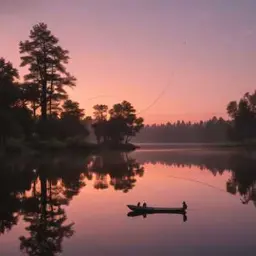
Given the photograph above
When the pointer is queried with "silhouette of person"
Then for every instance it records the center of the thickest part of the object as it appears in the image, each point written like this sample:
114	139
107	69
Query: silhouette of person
184	205
144	204
138	204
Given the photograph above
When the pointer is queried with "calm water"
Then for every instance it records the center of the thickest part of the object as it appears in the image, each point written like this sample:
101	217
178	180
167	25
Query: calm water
76	205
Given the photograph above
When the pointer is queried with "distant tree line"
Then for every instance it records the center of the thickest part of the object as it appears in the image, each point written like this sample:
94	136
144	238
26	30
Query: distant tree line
39	106
240	127
213	130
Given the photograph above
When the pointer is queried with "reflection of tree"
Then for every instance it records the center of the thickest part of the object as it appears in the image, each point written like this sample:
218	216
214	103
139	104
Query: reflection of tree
216	161
115	169
47	231
243	180
58	180
8	212
37	189
14	180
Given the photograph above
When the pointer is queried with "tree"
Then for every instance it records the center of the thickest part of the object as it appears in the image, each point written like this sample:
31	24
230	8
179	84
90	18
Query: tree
46	61
71	110
100	112
9	91
10	95
7	71
121	125
232	109
31	96
71	120
243	116
124	120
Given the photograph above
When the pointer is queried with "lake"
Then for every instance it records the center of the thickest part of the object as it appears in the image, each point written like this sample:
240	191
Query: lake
76	204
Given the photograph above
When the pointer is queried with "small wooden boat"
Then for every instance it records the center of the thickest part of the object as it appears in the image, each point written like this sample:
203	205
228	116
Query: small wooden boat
141	209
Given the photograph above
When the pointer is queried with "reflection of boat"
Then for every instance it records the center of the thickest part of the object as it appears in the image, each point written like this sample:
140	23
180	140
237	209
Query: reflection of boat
145	209
139	213
144	214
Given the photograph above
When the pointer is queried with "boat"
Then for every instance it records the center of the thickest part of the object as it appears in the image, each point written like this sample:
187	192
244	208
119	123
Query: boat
146	209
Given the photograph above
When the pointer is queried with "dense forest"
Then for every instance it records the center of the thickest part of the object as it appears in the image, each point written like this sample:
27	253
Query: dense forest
37	110
214	130
240	127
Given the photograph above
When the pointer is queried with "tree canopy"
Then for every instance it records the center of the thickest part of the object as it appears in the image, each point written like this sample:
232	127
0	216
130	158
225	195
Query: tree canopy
46	61
243	116
118	124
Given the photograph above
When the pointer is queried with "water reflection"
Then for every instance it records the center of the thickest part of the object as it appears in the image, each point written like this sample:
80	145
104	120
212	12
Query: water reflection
144	215
37	190
120	168
241	165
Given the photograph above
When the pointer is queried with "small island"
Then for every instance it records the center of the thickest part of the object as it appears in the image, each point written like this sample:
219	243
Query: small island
36	112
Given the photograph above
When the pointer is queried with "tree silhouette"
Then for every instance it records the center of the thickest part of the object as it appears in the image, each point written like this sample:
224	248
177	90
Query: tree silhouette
9	95
243	115
46	61
121	125
31	96
213	130
100	112
14	115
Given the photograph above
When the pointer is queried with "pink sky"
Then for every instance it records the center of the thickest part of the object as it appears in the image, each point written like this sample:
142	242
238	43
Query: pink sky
201	52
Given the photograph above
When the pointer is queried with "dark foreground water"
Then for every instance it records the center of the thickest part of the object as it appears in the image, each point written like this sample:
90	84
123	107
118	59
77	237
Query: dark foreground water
76	205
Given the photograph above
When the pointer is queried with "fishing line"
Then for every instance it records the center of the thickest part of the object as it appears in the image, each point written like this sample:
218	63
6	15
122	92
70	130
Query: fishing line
156	100
143	110
202	183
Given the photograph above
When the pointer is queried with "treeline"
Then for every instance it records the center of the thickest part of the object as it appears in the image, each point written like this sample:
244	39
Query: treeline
213	130
240	128
39	107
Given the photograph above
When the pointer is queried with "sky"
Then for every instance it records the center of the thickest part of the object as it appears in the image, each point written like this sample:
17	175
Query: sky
172	59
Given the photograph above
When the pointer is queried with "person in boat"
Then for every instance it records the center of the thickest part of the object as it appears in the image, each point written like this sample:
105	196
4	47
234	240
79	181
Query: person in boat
144	204
138	204
184	205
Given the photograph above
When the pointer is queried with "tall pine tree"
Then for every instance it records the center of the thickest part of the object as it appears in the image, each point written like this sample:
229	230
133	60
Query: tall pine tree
46	61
